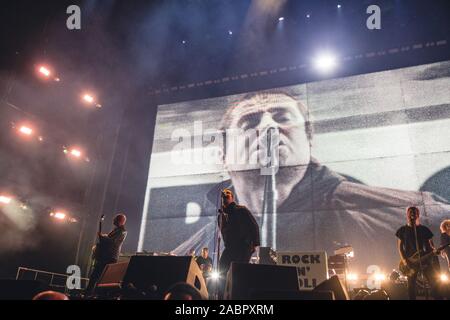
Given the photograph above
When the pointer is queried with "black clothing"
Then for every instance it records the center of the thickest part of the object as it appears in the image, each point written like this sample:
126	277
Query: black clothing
229	255
239	228
110	245
430	274
96	273
407	236
240	233
202	261
445	239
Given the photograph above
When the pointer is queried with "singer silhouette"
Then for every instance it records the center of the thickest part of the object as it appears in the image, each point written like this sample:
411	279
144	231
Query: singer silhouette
240	234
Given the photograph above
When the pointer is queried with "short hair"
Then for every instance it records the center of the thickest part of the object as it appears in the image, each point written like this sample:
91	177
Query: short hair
181	289
228	190
227	118
445	225
205	248
415	209
120	216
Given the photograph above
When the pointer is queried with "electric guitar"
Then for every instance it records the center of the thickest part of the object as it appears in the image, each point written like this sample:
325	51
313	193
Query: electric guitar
97	248
412	265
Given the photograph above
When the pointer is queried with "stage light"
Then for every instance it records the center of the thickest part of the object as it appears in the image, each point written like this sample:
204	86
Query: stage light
352	276
325	63
215	275
308	16
339	6
281	19
45	71
58	215
89	98
443	277
183	42
76	153
5	199
380	277
230	32
62	216
26	130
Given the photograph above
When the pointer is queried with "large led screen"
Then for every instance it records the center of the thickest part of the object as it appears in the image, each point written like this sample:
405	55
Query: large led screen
321	165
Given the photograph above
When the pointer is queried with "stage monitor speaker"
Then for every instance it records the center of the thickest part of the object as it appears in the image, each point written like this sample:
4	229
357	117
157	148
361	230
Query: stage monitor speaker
113	275
396	291
334	284
159	272
245	281
20	289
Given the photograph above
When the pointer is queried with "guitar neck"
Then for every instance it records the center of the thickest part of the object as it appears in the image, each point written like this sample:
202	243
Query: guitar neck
429	254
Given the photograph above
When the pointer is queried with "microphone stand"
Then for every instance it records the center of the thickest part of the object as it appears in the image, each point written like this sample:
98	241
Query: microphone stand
269	211
413	222
217	241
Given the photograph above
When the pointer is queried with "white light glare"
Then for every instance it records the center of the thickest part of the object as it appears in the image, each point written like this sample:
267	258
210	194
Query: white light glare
215	275
352	277
58	215
88	98
325	63
25	130
44	71
75	153
5	200
280	18
380	277
444	277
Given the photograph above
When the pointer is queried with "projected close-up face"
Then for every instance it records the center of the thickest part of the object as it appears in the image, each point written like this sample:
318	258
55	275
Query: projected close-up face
255	116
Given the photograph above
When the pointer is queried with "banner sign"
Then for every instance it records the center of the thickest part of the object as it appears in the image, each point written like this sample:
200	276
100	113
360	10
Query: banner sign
312	267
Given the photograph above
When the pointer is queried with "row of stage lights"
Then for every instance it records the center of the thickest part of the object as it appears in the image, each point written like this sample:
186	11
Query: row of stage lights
28	131
46	73
59	215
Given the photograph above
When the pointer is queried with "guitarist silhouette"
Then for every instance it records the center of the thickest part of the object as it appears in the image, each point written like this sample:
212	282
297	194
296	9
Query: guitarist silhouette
417	253
107	249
